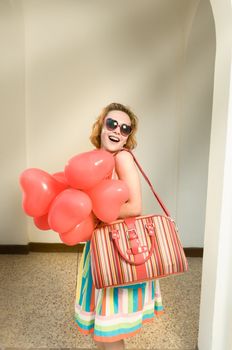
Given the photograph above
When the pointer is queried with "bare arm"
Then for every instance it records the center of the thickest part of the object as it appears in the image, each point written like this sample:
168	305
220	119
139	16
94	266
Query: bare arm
127	172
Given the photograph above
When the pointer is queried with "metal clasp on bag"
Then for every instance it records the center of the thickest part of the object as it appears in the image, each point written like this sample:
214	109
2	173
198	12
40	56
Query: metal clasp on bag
115	234
150	229
174	222
139	250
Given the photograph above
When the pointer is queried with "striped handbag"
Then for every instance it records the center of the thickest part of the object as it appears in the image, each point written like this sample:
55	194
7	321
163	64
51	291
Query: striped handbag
136	249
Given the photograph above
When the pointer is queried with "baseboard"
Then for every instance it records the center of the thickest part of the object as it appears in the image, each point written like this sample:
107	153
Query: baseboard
14	249
60	247
55	248
194	252
40	247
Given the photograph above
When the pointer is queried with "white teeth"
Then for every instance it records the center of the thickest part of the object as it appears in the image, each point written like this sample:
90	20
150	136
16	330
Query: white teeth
114	138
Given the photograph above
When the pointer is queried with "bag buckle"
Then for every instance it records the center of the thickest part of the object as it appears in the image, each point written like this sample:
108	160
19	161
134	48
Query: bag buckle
136	247
132	234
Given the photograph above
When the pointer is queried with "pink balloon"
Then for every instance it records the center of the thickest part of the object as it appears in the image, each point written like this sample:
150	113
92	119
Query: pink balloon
39	189
60	176
80	233
107	198
42	222
68	209
86	170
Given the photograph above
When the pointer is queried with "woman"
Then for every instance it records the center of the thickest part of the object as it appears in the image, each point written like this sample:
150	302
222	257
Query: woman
114	314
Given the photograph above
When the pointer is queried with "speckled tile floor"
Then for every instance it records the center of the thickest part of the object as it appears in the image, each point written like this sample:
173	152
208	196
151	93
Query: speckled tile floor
37	293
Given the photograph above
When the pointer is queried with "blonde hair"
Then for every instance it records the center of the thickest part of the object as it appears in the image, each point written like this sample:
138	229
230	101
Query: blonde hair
95	137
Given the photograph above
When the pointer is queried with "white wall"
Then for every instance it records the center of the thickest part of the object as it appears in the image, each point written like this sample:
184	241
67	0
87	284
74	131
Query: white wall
12	122
82	55
216	303
195	123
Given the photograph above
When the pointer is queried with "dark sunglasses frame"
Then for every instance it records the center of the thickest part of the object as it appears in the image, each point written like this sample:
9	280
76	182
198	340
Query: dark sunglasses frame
112	124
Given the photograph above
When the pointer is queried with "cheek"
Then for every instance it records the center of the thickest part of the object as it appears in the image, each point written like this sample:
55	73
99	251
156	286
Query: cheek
103	136
122	141
125	140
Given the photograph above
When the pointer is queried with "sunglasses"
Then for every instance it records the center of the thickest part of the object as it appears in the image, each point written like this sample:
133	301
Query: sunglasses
112	124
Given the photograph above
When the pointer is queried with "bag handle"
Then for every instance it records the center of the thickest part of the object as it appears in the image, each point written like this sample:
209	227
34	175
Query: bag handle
148	181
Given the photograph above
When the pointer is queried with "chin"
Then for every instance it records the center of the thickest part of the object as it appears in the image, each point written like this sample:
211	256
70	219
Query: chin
113	148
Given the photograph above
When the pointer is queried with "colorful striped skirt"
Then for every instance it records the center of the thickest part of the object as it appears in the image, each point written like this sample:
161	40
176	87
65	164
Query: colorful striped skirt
115	313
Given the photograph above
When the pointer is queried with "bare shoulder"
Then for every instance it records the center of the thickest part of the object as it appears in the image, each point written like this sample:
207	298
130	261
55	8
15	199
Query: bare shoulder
124	156
124	163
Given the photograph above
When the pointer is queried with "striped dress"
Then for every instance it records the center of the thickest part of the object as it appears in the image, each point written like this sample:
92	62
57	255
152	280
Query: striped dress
113	313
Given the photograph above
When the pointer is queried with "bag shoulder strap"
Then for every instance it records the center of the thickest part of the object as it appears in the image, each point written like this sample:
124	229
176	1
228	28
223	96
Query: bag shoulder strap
148	181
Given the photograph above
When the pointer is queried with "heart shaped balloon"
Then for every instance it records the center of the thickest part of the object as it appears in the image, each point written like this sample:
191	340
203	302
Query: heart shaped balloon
86	170
60	176
68	209
39	190
42	222
107	198
80	233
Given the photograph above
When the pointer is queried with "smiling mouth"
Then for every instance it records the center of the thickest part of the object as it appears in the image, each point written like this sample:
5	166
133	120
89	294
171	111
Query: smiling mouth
114	138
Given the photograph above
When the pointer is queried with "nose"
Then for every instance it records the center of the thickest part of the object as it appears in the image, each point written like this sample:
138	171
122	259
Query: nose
117	129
